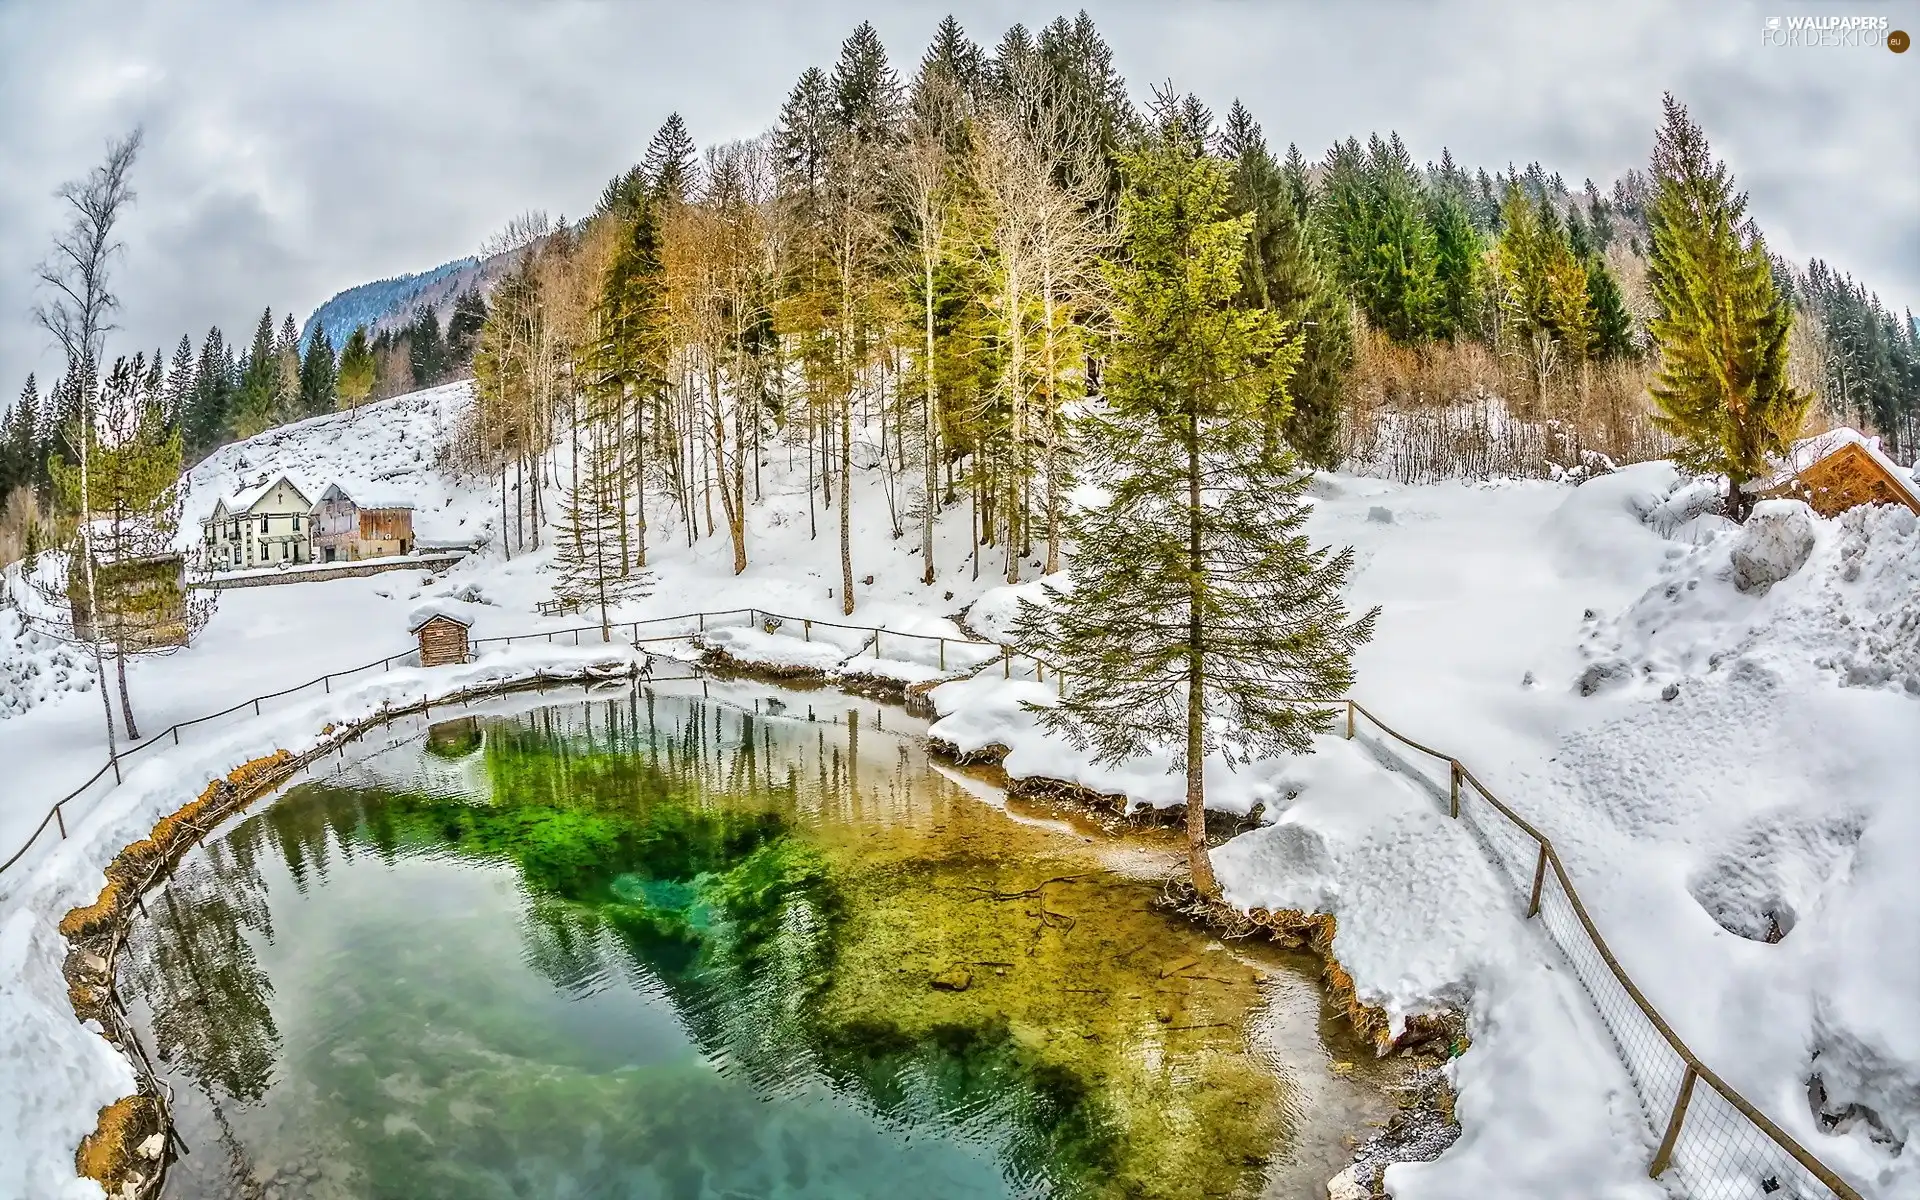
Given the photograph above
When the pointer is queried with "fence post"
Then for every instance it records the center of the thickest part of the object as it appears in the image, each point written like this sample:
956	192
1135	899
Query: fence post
256	707
1664	1155
60	819
1456	790
806	629
943	654
876	643
703	622
1039	671
115	760
1539	877
326	681
176	735
1006	663
753	618
1349	720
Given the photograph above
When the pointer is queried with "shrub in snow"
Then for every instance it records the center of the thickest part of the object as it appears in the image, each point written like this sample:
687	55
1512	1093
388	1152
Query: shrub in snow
1380	514
1775	543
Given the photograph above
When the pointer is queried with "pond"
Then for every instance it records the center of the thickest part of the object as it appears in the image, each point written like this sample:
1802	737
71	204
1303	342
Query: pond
664	944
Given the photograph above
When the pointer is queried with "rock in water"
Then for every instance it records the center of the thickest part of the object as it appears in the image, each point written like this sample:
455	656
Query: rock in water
953	979
1345	1186
1775	543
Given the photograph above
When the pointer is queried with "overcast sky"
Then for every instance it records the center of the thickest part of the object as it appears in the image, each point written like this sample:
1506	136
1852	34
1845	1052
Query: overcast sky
297	149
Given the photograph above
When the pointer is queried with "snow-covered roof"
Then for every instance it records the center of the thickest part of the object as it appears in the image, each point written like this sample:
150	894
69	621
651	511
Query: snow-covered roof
388	501
370	503
248	497
1808	451
430	610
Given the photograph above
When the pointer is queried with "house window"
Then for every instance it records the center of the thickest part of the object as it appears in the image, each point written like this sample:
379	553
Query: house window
263	524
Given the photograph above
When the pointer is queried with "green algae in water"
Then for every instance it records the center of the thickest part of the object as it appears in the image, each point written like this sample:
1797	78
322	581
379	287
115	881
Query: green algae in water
660	947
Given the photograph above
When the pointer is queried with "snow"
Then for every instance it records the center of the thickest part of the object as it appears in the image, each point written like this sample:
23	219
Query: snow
36	667
1359	842
1713	765
1773	545
455	610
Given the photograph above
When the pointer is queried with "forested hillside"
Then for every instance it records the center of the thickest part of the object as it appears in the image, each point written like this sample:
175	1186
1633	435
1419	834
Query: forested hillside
909	272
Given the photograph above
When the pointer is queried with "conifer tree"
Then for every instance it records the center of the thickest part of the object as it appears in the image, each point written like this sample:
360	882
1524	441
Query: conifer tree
1720	323
357	369
957	58
1458	253
179	391
20	467
1282	273
1198	612
464	323
259	382
672	164
427	349
591	558
629	364
319	378
209	415
1613	337
286	351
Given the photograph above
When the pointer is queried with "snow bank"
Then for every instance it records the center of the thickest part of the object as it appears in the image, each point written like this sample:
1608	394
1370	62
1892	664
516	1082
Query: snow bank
987	710
36	668
54	1073
774	652
1423	923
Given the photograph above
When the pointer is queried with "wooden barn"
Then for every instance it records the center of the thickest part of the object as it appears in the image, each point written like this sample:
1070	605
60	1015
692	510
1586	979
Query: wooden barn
442	635
1842	469
348	530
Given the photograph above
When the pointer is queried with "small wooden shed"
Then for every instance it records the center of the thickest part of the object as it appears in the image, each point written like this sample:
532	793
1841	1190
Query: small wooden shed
1842	469
442	635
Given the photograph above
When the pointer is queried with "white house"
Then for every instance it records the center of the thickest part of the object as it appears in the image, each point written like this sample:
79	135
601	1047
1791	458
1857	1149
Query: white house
264	526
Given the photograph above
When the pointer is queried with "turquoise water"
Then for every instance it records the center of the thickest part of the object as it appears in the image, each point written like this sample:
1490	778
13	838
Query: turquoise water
658	947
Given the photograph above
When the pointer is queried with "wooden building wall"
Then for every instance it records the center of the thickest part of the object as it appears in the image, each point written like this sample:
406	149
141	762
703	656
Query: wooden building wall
442	643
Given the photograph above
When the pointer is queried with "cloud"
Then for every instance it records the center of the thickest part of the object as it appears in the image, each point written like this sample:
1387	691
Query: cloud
297	150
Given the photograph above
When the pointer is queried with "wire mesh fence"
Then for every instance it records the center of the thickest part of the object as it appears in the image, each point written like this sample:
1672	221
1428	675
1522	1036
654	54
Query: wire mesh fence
1713	1144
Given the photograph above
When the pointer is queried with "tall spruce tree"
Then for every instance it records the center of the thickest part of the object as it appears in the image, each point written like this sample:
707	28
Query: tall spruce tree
357	370
591	559
672	164
464	323
287	400
1199	615
209	414
1282	273
319	377
21	466
426	348
179	393
1721	324
259	382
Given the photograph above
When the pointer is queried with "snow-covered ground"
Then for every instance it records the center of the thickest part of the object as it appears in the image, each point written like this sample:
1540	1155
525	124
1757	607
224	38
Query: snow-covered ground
1708	760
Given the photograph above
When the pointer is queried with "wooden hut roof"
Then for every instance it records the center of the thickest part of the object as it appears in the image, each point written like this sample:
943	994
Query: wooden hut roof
435	612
